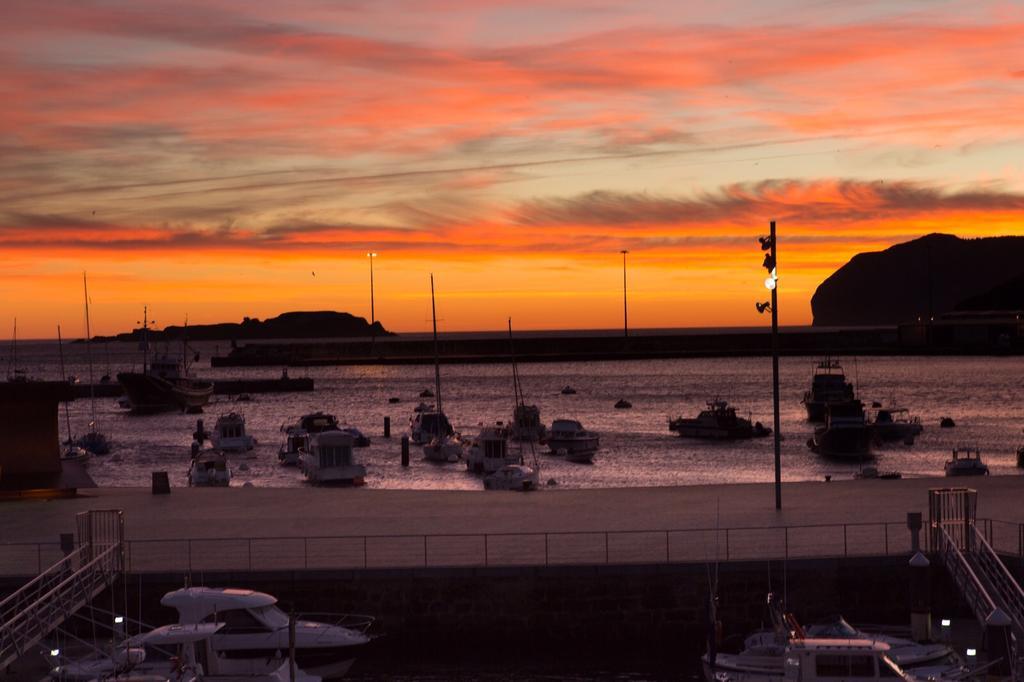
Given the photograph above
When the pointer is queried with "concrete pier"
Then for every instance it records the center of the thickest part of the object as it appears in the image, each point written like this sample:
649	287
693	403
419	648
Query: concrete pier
873	513
573	570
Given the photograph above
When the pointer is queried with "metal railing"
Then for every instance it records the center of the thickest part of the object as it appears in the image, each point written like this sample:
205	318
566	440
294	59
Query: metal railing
47	601
692	545
696	545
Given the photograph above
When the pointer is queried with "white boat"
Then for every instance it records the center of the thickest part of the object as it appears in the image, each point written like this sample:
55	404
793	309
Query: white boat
825	660
229	434
296	441
568	437
513	477
488	451
764	652
444	449
717	422
966	462
208	468
330	459
147	657
255	633
893	424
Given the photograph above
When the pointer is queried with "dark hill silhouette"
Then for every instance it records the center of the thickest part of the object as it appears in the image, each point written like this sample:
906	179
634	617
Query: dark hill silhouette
294	325
926	276
1006	296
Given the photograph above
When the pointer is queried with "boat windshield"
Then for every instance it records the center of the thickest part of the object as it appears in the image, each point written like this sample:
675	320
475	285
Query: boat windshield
272	616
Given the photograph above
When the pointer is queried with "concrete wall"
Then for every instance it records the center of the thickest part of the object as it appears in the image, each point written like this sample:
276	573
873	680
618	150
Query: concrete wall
29	428
652	610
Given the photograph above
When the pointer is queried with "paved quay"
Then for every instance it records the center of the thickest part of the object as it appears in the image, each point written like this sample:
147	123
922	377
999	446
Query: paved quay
314	528
299	512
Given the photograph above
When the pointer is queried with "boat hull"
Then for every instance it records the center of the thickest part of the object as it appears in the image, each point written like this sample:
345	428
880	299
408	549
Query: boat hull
149	394
852	444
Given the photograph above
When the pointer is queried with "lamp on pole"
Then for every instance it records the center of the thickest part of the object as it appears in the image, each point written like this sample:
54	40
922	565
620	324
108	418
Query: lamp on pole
772	284
625	310
373	318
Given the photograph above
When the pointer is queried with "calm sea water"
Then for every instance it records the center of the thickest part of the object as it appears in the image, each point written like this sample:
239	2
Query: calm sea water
983	395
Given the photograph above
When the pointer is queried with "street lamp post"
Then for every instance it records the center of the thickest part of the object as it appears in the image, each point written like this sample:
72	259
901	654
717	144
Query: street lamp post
373	318
772	283
625	310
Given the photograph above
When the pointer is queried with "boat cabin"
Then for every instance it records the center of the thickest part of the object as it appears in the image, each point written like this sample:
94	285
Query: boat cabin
809	660
165	367
317	422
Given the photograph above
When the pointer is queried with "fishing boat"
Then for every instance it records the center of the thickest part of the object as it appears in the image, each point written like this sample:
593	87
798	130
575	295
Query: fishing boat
966	462
828	385
165	383
329	459
845	434
568	437
894	424
208	468
717	422
229	434
488	451
441	443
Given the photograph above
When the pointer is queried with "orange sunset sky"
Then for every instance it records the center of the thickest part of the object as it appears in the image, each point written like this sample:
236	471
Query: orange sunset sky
207	158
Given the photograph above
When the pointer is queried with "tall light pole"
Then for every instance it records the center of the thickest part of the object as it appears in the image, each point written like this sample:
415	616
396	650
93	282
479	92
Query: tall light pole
371	255
625	310
373	318
772	284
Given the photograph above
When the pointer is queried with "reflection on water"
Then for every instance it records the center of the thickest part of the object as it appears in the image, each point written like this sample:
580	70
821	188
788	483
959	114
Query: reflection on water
982	394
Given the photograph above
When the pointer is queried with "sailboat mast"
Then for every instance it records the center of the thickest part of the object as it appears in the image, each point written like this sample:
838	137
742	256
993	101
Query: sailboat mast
60	349
88	353
437	359
515	371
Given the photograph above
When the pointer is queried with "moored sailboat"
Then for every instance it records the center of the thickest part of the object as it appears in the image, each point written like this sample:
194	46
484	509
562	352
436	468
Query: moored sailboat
444	444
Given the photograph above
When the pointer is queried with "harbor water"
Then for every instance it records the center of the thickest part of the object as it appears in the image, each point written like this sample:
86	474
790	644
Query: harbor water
983	395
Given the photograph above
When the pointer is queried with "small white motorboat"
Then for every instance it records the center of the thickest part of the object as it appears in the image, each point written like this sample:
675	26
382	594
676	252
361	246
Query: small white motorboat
77	454
568	437
966	462
513	477
229	434
208	468
894	424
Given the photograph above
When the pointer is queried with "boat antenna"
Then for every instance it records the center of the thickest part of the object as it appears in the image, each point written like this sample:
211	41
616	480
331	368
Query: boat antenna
88	354
437	361
60	349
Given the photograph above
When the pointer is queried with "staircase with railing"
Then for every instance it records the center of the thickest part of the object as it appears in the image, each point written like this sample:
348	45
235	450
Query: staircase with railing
52	597
988	587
